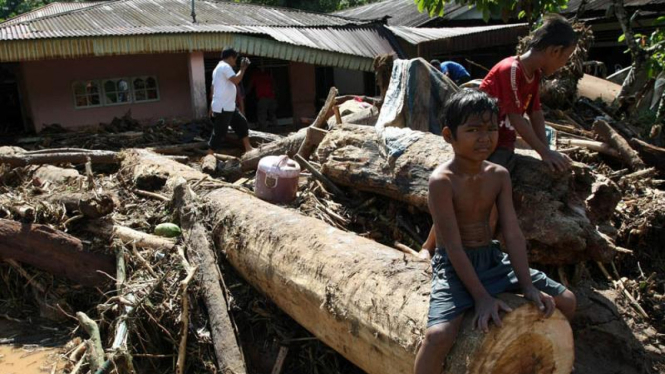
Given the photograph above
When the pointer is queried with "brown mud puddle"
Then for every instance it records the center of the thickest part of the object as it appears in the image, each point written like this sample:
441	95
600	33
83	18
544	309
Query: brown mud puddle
28	348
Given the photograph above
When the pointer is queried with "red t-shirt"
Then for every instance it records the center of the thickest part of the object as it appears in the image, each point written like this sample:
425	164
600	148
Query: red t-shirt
263	83
515	92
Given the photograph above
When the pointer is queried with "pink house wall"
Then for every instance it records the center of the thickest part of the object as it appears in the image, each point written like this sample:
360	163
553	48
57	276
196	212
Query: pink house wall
49	88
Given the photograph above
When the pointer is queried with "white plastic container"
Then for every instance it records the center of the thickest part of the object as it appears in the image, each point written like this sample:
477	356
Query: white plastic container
277	179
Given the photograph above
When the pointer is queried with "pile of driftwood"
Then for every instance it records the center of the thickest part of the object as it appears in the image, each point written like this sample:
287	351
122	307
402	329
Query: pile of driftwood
337	266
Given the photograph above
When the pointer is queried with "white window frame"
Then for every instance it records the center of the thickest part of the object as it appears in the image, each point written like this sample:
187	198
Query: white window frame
145	78
100	92
101	83
130	92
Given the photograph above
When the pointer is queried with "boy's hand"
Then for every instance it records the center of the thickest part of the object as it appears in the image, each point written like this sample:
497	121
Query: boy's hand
556	161
424	254
543	301
487	308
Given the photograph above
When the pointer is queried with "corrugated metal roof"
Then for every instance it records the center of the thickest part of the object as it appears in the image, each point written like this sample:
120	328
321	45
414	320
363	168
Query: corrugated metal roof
48	10
415	35
149	13
156	17
402	12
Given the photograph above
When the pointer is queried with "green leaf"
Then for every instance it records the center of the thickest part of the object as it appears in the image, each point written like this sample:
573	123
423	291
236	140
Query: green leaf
659	20
521	14
622	38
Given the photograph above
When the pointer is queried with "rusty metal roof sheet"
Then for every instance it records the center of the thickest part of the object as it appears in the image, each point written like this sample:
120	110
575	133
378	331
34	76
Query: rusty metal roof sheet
415	35
402	12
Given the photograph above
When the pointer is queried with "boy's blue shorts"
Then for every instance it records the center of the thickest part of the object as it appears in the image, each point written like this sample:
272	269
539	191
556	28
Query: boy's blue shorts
449	297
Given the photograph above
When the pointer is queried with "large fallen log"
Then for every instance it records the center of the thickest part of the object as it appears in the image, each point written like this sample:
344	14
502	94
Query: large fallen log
368	301
550	206
53	251
230	357
365	300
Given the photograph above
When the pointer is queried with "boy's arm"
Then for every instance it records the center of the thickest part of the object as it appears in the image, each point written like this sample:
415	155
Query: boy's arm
445	223
538	124
516	246
553	159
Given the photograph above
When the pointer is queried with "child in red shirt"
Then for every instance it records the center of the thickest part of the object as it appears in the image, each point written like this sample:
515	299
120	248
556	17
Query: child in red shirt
515	81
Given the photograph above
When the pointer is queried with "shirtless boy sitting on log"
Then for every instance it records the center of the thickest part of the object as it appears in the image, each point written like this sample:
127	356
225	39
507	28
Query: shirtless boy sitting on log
468	268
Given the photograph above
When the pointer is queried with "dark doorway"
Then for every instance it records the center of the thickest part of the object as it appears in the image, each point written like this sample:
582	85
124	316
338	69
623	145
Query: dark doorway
11	121
325	78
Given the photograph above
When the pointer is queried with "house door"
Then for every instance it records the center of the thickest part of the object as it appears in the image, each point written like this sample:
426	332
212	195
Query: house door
11	121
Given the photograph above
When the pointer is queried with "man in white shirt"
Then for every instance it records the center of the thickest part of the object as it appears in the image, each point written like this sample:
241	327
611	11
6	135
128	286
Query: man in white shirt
223	106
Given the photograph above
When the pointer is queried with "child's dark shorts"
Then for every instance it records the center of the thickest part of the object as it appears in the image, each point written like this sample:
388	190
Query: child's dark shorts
449	297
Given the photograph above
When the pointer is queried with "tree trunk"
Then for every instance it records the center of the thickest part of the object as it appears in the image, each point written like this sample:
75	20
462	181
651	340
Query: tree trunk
550	206
53	251
230	357
628	154
368	301
365	300
97	157
91	205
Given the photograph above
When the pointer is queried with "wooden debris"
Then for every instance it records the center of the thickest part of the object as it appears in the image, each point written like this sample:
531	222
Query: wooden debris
312	140
200	252
95	350
97	157
592	145
287	146
570	129
53	251
652	155
128	235
209	164
89	204
629	155
317	174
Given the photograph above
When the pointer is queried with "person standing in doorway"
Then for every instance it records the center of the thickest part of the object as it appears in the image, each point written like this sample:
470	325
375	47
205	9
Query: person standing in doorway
266	107
223	106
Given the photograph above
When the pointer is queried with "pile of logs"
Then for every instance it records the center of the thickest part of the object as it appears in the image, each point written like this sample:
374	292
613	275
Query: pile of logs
366	300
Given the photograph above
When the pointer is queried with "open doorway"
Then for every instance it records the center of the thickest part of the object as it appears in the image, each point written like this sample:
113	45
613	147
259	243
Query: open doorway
11	121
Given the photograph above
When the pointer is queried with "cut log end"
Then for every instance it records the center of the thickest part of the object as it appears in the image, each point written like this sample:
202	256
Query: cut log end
527	343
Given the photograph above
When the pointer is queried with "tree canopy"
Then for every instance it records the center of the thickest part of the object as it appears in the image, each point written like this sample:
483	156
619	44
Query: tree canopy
529	9
12	8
